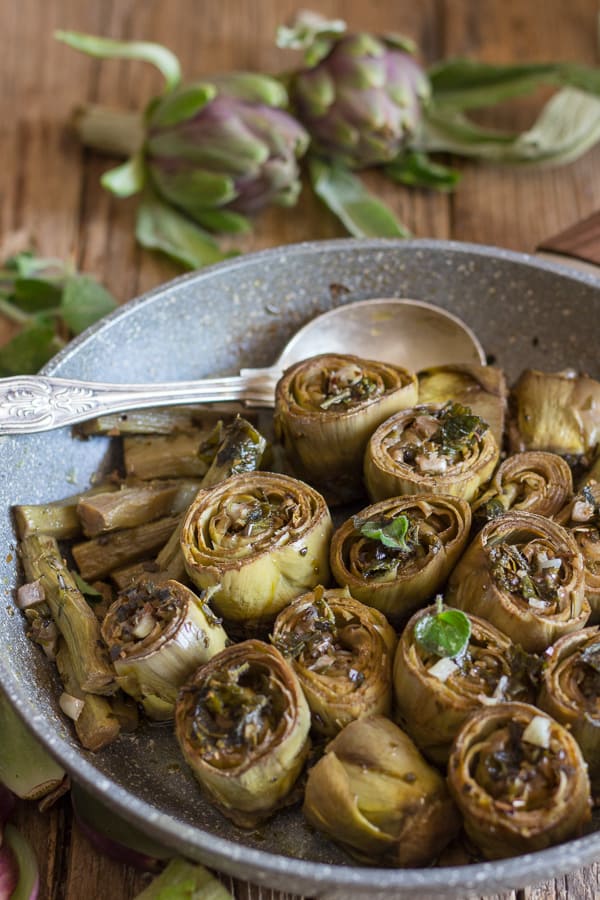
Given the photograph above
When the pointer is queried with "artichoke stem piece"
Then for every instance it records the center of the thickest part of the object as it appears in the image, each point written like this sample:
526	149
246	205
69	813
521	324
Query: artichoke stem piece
373	793
97	557
242	723
519	779
96	726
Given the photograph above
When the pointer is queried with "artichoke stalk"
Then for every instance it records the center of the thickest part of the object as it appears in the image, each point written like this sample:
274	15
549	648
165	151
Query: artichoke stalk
242	723
373	793
342	652
156	637
519	780
524	574
256	541
399	577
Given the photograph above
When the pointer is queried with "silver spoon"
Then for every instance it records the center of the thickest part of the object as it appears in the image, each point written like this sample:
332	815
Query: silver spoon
406	332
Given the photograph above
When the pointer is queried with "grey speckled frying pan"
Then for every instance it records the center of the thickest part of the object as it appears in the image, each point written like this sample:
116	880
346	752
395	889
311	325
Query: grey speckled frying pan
240	313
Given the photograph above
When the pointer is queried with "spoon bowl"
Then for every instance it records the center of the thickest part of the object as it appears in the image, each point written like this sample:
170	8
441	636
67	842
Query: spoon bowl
406	332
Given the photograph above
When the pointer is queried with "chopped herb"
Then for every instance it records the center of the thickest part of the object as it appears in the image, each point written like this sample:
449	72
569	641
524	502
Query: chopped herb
445	633
86	588
391	533
525	575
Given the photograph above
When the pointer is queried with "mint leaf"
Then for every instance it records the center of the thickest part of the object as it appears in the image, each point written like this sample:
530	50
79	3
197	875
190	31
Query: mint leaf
445	633
391	534
33	294
29	350
84	301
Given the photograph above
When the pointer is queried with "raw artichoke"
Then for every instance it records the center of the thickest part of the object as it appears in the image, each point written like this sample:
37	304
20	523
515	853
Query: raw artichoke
519	779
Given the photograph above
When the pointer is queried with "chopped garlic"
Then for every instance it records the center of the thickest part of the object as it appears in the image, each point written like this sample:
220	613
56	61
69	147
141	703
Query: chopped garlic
582	511
443	668
144	627
538	732
537	604
71	706
431	464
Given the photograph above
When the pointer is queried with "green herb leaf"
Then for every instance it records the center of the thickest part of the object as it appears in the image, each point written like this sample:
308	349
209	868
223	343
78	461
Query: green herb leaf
391	534
445	633
159	227
347	198
84	587
127	179
106	48
417	170
30	349
33	294
84	301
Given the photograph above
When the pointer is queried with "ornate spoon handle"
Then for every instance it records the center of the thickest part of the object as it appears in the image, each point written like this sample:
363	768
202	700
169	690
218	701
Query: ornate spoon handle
30	403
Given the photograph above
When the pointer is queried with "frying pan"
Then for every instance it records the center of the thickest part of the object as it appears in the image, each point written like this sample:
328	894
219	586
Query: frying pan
526	312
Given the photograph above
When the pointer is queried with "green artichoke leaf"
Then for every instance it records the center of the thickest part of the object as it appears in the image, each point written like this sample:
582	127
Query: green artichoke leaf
159	227
400	41
106	48
345	195
127	179
84	301
416	169
468	84
311	32
252	86
223	221
182	104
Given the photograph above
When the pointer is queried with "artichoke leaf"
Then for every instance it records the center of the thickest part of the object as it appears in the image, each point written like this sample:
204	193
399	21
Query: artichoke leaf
127	179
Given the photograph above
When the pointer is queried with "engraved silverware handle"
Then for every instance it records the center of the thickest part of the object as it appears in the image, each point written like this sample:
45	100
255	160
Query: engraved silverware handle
30	403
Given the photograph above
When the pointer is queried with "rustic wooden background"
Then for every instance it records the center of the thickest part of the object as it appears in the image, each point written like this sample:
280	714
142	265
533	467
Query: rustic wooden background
50	192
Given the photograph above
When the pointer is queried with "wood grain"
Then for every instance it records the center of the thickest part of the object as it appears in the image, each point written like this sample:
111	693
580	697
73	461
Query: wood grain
49	191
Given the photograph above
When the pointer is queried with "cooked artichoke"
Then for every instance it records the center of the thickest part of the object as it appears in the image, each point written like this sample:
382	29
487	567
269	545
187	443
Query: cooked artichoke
525	575
571	692
519	779
256	541
535	481
557	411
342	652
481	388
327	407
242	723
582	517
436	693
430	449
374	793
397	554
157	636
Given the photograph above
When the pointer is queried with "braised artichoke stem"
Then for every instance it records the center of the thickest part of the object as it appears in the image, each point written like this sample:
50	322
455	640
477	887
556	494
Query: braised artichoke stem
75	620
519	780
342	652
97	557
373	793
58	519
134	505
481	388
96	725
242	723
128	576
160	420
157	635
165	456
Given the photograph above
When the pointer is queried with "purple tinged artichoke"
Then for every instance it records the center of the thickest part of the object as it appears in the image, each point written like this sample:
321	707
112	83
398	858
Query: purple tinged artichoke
360	97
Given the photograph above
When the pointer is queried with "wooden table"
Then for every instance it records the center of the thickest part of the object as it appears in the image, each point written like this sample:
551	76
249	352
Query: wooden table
49	189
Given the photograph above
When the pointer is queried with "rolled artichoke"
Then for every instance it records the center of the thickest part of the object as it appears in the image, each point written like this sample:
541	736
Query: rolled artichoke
373	793
535	481
256	541
571	692
582	517
519	779
525	575
327	407
436	692
342	652
559	412
481	388
156	637
397	554
242	723
430	449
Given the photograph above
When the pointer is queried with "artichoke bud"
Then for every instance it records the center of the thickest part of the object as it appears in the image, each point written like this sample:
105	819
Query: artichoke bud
225	145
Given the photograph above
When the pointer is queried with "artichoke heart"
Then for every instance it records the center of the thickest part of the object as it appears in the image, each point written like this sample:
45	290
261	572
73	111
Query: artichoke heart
519	779
558	411
327	407
582	518
256	541
535	481
156	637
430	449
433	704
242	723
571	692
373	793
342	652
399	575
525	575
481	388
